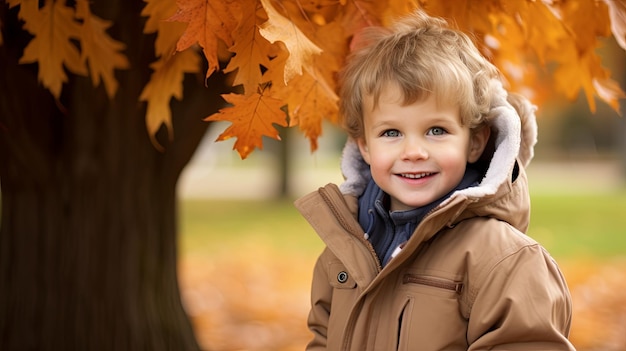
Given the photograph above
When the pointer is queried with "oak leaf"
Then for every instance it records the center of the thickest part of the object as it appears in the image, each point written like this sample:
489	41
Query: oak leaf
287	54
301	49
98	49
166	83
54	28
28	12
168	32
251	49
208	21
310	101
252	116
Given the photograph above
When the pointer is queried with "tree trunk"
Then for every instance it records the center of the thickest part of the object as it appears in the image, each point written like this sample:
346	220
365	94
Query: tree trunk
88	231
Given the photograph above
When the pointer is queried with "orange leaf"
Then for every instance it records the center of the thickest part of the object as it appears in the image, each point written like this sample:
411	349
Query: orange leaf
310	100
29	12
99	49
209	20
53	27
166	82
252	117
250	48
332	40
168	33
275	72
301	49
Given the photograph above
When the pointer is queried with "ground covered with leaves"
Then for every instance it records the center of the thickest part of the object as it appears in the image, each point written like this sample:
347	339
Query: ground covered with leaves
256	298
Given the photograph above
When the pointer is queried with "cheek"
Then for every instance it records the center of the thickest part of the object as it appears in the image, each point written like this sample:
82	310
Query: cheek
454	159
380	162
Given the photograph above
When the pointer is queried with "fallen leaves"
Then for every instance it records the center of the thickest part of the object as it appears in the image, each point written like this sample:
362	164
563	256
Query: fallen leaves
257	298
247	299
599	304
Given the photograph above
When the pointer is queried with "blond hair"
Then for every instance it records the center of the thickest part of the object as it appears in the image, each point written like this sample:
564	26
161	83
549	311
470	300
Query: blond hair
423	56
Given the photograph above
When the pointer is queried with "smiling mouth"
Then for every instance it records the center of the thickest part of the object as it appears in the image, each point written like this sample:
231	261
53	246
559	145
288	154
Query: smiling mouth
415	175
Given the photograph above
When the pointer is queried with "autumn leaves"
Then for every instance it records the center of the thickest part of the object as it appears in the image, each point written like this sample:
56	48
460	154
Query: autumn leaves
284	55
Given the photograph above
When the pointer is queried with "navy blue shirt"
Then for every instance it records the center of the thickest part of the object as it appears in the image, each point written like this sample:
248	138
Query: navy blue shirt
387	230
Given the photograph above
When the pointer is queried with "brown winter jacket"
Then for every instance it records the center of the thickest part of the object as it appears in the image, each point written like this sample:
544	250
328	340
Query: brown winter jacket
467	279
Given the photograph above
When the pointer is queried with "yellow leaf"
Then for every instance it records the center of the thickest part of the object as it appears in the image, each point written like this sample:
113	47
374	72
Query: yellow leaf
208	21
168	32
332	39
99	49
301	49
166	82
467	15
310	100
52	47
275	72
586	21
252	116
250	48
29	12
157	11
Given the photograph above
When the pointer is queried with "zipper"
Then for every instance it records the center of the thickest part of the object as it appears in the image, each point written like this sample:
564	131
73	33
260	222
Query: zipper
433	282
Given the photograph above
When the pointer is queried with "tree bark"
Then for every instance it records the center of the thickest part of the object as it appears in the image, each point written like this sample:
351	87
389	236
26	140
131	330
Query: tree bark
88	244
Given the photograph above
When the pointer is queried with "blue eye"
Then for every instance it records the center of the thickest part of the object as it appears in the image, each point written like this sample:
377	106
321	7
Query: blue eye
436	131
391	133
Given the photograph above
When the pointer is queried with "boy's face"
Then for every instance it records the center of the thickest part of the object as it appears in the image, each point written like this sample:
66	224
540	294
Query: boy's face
417	153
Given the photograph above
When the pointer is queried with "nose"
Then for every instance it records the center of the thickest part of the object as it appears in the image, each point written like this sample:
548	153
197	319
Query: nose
414	150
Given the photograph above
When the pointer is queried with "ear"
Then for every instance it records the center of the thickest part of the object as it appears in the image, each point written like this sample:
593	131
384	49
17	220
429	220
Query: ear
365	153
478	140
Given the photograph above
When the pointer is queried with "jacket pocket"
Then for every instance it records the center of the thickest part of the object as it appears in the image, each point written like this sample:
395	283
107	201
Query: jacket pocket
430	318
433	282
404	325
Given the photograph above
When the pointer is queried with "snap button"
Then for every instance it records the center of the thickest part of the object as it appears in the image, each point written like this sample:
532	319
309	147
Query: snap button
342	277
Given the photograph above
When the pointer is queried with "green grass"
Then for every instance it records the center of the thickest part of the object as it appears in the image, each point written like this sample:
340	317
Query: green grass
572	226
209	226
569	226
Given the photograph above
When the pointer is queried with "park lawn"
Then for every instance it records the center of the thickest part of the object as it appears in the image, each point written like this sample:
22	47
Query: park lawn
568	225
212	226
580	225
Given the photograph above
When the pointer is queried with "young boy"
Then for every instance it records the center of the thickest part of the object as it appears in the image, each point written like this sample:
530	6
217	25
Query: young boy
425	244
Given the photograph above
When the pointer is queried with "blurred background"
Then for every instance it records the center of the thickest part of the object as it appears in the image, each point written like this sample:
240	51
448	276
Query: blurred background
246	255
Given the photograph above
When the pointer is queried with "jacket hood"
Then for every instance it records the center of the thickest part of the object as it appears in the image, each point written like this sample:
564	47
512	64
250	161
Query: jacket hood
514	135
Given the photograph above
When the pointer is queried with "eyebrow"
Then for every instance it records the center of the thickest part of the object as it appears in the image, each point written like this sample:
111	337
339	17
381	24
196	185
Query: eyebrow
383	123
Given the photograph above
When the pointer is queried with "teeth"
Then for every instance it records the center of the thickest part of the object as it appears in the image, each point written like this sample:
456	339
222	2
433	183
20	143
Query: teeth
415	176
